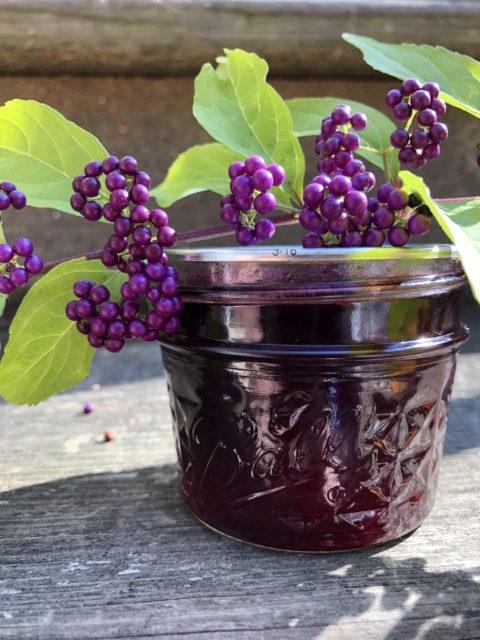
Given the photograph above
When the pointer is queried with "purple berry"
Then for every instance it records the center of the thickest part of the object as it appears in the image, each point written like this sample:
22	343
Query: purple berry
353	167
81	288
439	107
139	194
398	236
19	276
383	191
85	308
108	311
419	224
118	329
242	186
165	307
77	201
383	218
90	187
311	221
7	187
431	151
93	168
4	201
139	214
262	180
420	138
158	218
359	121
397	200
108	257
313	194
350	142
254	163
409	86
122	226
312	241
155	271
109	213
71	311
323	179
128	165
339	225
134	266
110	164
138	284
95	341
34	264
278	174
373	237
244	204
244	236
331	208
18	199
153	252
167	236
407	155
373	205
402	111
6	253
144	179
426	118
228	199
361	181
236	169
6	285
361	219
331	146
420	100
117	244
433	88
98	327
115	180
137	329
141	235
352	238
356	202
114	346
169	287
23	247
77	183
393	97
264	229
83	327
92	211
119	199
129	310
399	138
230	214
265	203
99	294
439	132
172	325
340	185
341	115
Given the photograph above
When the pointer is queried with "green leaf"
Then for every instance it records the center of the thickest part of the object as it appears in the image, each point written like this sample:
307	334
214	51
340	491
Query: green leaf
461	223
307	115
45	353
200	168
41	151
458	75
239	109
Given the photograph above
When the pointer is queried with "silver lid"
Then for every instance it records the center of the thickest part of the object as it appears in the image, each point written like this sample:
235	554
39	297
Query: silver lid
254	274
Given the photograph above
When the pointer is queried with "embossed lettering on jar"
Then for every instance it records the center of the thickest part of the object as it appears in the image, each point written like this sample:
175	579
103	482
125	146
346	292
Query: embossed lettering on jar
309	391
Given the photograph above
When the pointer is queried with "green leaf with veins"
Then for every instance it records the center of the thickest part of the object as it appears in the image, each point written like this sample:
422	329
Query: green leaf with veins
458	75
238	108
41	151
200	168
459	220
307	115
45	353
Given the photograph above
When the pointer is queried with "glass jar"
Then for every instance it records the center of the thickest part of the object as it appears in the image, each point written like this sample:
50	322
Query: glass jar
309	390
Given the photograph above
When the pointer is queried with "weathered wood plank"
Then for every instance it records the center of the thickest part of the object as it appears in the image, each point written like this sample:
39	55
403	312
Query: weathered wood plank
176	36
95	542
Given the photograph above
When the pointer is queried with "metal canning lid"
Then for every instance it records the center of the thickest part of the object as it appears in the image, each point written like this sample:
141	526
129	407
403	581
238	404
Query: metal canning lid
253	274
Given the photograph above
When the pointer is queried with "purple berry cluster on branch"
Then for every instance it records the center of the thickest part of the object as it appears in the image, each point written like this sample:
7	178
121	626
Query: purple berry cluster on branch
17	261
149	301
420	108
250	184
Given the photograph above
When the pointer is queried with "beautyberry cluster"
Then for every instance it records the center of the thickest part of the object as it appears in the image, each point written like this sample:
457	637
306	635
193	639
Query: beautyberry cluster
250	184
335	207
421	109
149	298
17	262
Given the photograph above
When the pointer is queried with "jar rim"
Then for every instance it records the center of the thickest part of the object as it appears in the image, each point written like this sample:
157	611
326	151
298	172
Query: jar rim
291	253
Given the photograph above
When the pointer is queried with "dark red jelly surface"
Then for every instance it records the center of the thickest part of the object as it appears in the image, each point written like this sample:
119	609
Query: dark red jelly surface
296	455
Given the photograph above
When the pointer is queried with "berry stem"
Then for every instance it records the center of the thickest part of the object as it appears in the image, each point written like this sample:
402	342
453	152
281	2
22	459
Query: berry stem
182	238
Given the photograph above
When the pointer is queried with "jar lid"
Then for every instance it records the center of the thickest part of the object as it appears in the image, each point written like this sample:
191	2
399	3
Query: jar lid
261	274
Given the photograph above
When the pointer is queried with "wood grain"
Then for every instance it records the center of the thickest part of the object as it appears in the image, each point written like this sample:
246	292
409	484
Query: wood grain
95	542
177	36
